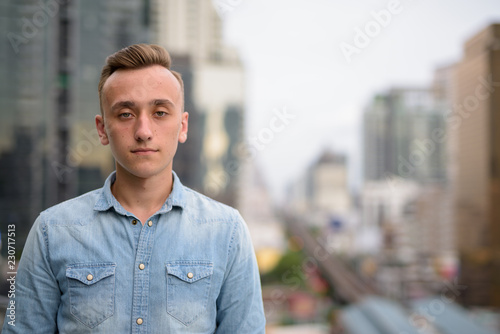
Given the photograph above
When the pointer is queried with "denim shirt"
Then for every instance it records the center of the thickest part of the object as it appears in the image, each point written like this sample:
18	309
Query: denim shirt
89	266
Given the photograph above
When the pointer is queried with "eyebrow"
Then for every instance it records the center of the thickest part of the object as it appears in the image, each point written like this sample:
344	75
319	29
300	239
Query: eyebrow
130	104
122	104
162	102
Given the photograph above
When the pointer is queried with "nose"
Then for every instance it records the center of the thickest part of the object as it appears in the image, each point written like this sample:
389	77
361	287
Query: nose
143	131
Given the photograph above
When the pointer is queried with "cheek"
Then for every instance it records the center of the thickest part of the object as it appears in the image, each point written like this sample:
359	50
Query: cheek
118	132
117	138
172	132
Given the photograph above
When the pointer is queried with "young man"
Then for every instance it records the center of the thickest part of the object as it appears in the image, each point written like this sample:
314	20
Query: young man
143	254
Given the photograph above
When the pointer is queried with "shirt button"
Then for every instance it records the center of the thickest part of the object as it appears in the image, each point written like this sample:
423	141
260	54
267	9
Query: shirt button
190	275
90	277
150	223
134	222
142	266
139	321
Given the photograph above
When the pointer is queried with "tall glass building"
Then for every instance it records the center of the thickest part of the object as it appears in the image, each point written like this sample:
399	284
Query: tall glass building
51	54
398	136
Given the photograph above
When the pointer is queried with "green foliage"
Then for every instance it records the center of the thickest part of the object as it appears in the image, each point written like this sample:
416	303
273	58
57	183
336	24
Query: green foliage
289	264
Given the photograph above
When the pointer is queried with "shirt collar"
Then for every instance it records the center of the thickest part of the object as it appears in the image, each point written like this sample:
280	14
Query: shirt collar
107	200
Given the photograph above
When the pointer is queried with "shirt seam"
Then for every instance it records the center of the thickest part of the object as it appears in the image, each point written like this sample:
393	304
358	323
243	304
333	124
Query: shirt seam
45	227
230	261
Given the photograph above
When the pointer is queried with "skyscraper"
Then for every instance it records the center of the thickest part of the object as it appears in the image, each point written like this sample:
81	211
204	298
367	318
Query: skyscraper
27	102
476	119
102	28
327	184
188	159
398	140
406	191
50	60
193	28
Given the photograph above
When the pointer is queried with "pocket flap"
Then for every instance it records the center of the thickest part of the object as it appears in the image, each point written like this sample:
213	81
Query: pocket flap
190	271
90	273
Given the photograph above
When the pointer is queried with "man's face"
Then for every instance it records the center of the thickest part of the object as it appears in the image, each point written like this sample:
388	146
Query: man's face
142	120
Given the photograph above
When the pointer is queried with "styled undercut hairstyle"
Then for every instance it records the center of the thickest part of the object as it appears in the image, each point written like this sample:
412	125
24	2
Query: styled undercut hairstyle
134	57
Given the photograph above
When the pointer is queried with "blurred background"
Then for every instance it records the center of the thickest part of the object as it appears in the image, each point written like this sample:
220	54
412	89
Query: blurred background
358	139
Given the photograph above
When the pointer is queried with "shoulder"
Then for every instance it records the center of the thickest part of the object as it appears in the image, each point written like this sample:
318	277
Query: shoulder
72	211
206	209
216	216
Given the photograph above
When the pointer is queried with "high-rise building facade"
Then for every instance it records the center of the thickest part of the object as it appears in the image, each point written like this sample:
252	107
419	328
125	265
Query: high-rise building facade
322	193
26	103
327	187
188	162
435	205
193	28
476	119
103	27
51	55
407	193
398	137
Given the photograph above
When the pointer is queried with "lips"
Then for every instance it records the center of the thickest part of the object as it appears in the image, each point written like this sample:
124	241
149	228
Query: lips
142	151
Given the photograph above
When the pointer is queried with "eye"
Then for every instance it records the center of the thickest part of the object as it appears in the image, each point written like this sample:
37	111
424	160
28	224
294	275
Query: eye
125	115
161	113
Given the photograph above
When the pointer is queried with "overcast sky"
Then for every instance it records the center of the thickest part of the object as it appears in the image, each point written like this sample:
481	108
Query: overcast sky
293	59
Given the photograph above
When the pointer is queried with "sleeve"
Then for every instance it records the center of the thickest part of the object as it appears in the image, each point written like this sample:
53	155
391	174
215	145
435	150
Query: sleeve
239	305
35	301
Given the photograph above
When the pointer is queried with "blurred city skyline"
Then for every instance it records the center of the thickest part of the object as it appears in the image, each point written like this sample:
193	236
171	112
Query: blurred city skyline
293	59
340	131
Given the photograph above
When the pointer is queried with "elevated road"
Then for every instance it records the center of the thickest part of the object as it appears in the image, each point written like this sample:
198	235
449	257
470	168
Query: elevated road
349	287
370	313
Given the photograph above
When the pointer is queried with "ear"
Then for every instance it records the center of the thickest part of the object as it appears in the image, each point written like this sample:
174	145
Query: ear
101	130
184	127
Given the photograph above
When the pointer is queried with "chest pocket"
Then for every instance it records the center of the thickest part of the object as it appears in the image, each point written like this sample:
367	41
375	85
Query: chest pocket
91	292
188	287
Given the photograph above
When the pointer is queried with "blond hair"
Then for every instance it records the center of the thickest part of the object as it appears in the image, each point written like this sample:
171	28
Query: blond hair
134	57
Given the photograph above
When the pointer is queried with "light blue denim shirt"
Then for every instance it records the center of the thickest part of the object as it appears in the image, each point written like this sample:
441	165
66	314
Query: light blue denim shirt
89	266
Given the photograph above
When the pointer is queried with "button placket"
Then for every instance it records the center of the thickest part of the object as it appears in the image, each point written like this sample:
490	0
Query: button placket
142	273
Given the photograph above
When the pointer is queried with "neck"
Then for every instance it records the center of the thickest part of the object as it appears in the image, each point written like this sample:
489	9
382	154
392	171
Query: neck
141	196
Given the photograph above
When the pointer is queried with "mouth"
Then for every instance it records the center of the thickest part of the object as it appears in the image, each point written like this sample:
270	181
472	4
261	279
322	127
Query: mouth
144	151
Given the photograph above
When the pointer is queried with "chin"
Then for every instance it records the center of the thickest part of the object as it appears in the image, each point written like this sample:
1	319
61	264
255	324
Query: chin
145	173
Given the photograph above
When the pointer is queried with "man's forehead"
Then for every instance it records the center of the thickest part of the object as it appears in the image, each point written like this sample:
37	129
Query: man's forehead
147	77
142	80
